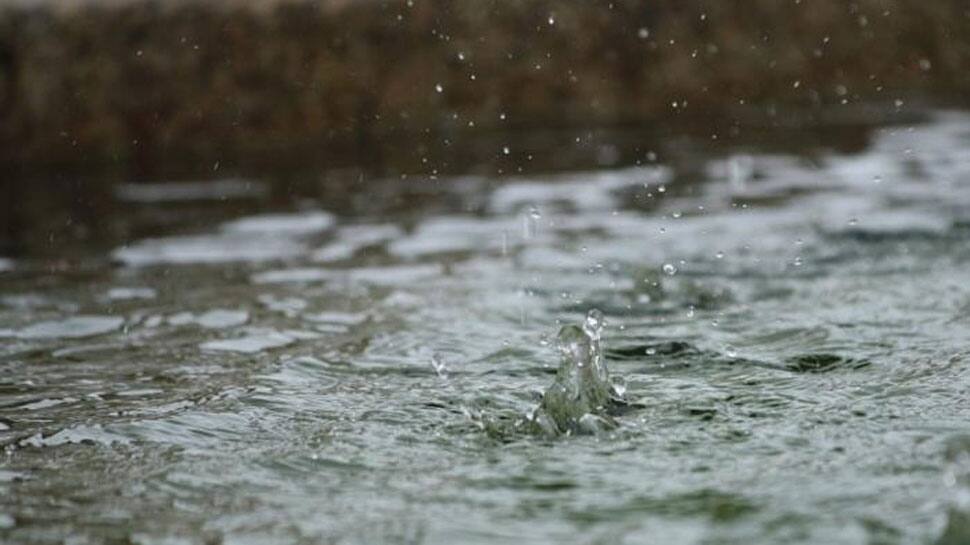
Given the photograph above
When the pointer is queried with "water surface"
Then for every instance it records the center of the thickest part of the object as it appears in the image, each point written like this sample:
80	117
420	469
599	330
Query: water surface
792	323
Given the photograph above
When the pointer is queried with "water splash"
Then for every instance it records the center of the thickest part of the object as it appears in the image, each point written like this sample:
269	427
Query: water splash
582	395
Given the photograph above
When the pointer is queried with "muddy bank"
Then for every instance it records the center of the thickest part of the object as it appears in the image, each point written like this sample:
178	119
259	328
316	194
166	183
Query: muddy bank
140	84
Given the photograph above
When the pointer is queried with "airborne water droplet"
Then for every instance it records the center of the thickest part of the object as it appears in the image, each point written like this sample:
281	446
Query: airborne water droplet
439	366
619	386
593	326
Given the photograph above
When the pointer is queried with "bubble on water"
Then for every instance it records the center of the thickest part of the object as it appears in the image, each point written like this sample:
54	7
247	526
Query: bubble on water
461	56
650	351
669	269
731	351
439	366
719	255
551	20
439	88
506	150
643	33
690	311
853	221
877	179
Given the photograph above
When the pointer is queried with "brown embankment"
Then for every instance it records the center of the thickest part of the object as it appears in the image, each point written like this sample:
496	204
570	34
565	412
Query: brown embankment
138	82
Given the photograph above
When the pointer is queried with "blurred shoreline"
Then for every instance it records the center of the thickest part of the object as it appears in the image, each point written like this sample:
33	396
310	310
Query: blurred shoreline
140	85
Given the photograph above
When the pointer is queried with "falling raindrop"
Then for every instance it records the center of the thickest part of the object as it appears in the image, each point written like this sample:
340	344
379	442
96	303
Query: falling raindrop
439	366
531	222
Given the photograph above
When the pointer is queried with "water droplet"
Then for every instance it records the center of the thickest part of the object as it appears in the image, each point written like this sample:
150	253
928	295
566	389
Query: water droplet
877	179
690	312
719	255
643	33
669	269
651	351
731	351
461	56
593	326
531	223
439	366
619	386
506	150
551	20
853	221
439	88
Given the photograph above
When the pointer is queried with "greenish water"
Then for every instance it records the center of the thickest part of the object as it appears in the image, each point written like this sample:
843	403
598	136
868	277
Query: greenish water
790	328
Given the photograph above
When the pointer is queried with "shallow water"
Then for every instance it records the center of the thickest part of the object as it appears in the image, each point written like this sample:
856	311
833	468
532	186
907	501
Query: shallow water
791	327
